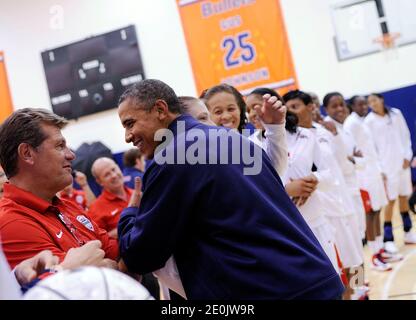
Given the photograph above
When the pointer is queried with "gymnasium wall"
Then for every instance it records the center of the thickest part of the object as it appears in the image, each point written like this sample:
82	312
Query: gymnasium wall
405	100
29	27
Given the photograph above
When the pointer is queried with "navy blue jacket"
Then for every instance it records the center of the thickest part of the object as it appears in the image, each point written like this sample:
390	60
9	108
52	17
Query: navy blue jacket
233	236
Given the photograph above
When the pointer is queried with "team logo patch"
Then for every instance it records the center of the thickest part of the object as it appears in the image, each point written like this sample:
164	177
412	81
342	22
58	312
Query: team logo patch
87	223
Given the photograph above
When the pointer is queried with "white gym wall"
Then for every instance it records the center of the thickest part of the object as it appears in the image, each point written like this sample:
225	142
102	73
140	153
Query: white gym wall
29	27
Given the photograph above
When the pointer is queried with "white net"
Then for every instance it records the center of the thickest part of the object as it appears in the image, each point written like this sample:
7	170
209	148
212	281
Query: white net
388	44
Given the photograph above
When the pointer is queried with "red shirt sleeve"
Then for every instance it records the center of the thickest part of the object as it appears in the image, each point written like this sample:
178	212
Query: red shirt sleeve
23	239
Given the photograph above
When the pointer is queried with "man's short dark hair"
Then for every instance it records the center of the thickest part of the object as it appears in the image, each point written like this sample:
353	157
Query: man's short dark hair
24	126
263	91
297	94
148	91
184	100
130	156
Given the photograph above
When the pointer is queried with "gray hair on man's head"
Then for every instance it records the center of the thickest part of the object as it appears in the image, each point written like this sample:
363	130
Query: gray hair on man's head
146	92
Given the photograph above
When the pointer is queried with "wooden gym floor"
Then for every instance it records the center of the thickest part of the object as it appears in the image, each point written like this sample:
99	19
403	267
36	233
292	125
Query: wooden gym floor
400	283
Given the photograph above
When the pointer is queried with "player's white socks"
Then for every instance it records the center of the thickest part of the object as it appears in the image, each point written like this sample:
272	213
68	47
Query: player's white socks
374	247
380	243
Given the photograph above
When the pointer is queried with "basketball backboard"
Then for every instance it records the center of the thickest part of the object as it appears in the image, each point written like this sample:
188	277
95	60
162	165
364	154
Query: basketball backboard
358	23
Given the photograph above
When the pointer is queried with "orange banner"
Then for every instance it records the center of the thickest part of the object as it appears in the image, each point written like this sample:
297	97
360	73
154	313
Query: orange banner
6	107
239	42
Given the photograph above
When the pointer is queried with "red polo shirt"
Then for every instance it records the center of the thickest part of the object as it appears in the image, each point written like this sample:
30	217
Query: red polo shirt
77	196
106	210
29	225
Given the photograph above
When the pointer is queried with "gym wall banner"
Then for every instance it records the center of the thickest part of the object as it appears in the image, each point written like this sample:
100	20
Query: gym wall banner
6	107
239	42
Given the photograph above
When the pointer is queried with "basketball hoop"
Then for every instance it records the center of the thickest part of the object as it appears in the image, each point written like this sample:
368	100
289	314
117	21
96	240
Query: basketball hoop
388	44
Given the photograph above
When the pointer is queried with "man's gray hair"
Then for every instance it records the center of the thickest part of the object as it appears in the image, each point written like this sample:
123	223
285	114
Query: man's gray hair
146	92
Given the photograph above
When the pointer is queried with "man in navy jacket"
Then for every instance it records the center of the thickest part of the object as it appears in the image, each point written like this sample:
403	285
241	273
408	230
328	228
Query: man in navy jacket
233	235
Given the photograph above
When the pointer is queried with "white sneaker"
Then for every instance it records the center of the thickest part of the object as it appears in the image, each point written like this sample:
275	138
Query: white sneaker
410	238
378	263
390	247
360	293
390	257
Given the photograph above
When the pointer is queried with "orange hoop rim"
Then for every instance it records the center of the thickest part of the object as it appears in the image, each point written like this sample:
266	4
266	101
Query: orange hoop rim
388	40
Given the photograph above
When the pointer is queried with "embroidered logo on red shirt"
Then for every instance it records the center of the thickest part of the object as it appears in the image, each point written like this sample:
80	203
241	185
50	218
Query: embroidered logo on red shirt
84	220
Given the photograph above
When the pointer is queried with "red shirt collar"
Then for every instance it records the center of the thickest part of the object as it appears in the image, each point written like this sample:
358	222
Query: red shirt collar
111	196
28	199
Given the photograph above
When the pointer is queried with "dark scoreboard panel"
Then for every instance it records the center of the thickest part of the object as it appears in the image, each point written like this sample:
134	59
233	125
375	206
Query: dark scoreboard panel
89	76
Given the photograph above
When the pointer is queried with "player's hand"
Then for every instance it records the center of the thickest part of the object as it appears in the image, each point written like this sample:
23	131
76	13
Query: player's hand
272	111
299	201
351	158
30	269
80	178
108	263
137	193
357	153
90	254
330	126
302	187
406	164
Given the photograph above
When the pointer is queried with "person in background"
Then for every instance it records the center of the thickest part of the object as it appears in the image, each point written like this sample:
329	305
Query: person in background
316	112
370	181
105	211
196	108
226	106
349	157
306	176
84	197
338	203
228	109
271	132
134	166
412	199
394	153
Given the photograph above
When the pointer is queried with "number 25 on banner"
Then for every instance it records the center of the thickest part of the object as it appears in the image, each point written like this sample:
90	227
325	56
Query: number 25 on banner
238	50
244	44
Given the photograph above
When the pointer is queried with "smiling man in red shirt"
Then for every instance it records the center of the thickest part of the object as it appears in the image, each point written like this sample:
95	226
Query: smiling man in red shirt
37	162
106	210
